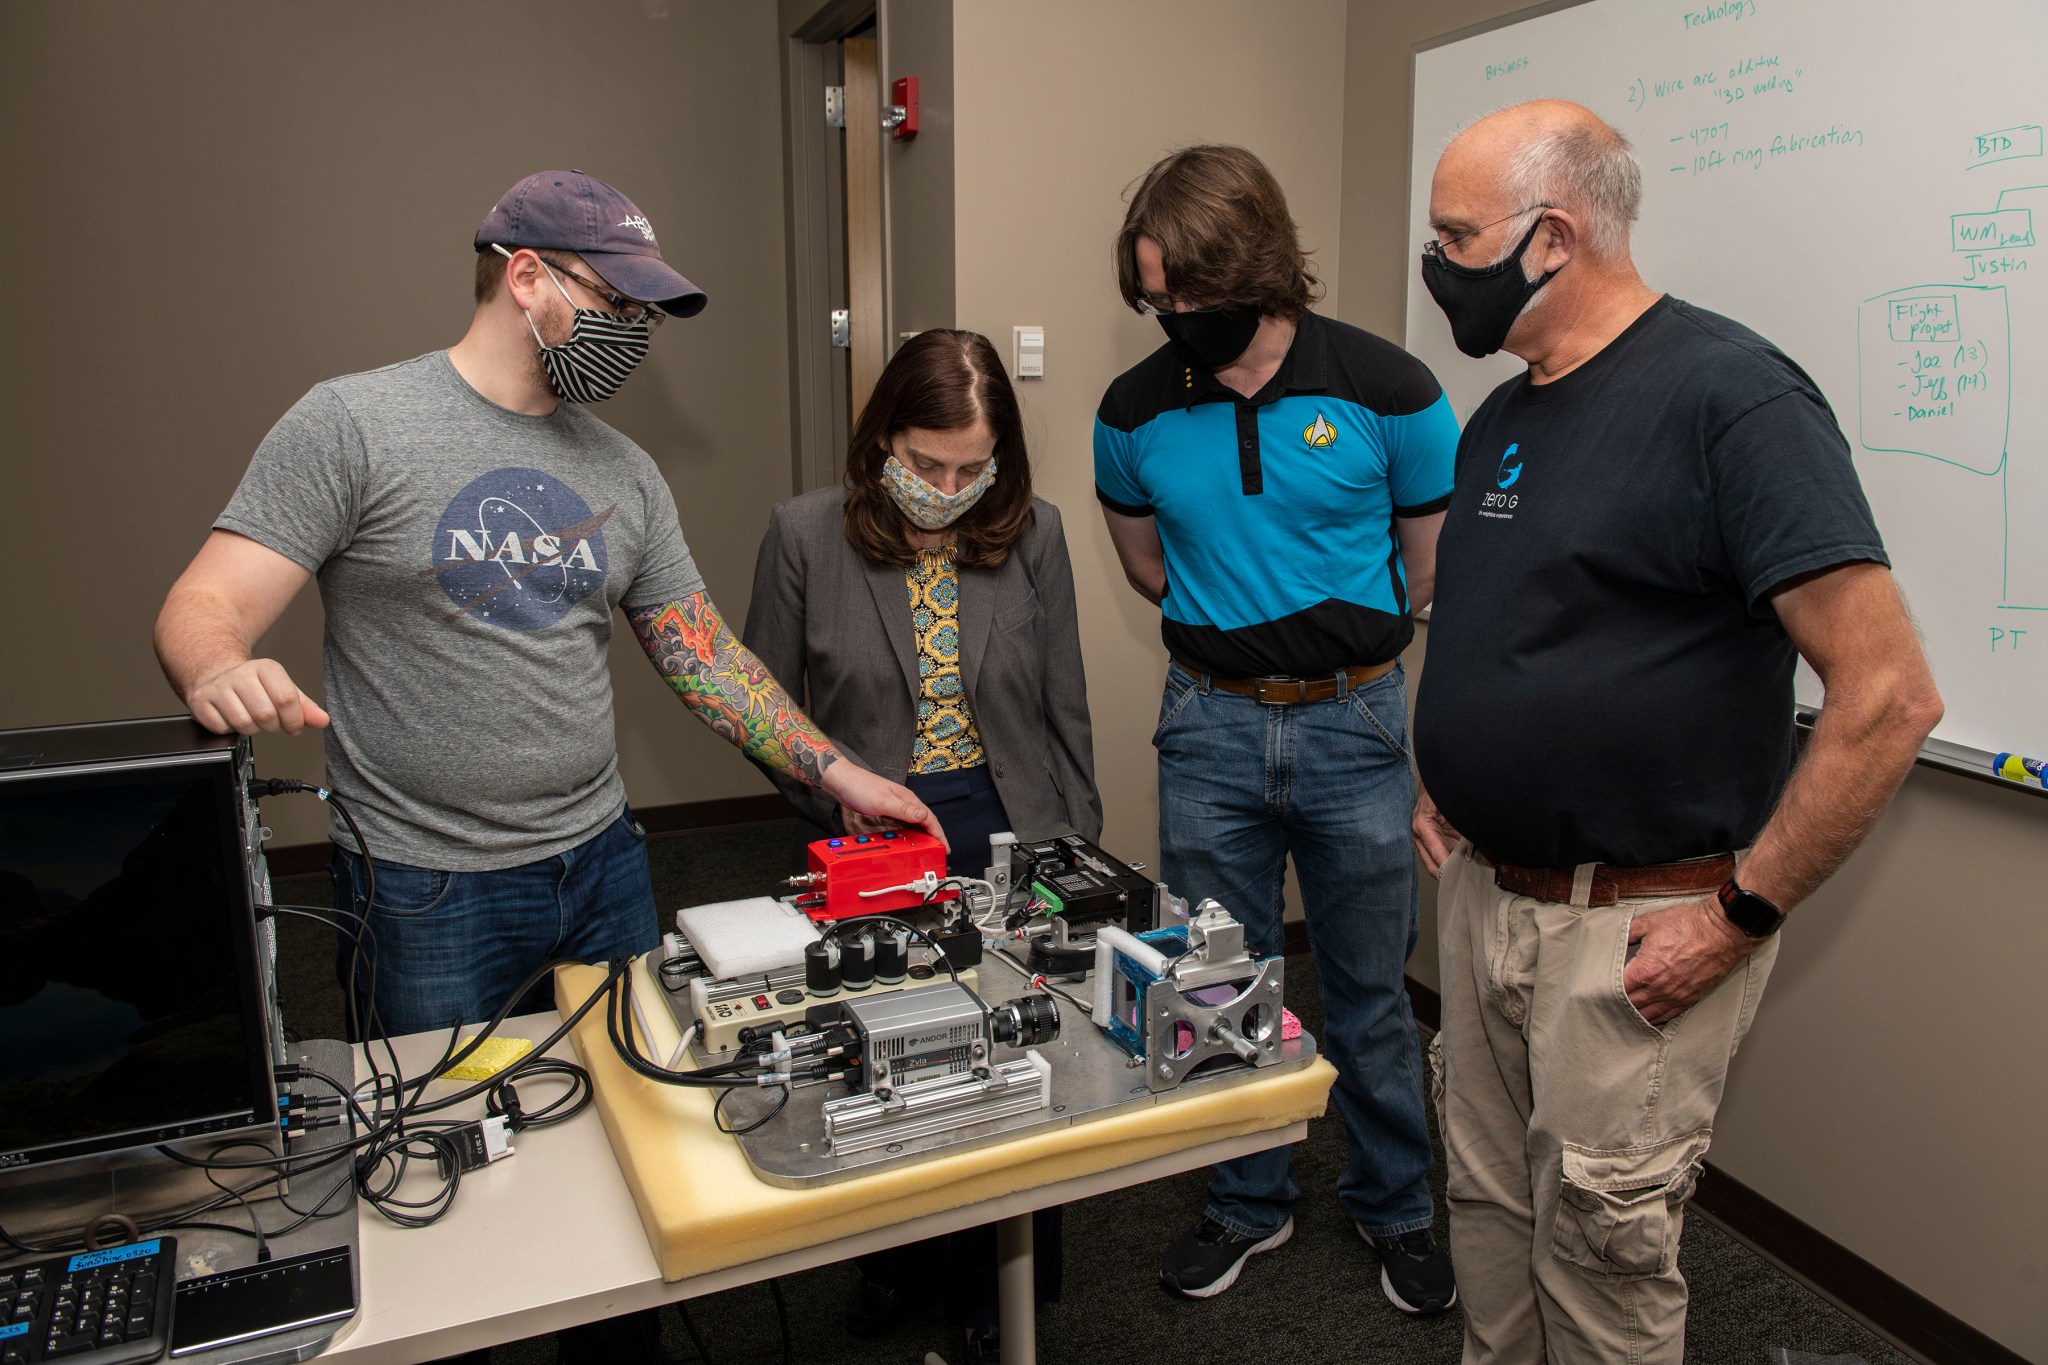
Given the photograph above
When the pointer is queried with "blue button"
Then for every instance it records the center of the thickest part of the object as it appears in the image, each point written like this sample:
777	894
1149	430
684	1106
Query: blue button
860	838
834	843
19	1329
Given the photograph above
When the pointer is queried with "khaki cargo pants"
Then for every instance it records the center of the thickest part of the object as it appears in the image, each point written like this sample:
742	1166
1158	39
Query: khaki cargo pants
1573	1129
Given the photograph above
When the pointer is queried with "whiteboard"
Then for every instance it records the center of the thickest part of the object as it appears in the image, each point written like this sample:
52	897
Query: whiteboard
1864	183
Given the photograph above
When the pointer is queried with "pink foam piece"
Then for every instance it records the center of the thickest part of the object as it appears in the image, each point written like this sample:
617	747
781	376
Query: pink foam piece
1290	1027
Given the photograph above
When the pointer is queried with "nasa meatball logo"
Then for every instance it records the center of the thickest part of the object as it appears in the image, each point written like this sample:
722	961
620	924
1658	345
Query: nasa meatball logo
518	548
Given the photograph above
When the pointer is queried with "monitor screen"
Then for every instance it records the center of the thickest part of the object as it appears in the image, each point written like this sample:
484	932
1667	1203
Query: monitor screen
129	1012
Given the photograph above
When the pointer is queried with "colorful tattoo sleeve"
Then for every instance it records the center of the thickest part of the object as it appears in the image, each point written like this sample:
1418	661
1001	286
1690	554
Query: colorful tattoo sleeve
730	690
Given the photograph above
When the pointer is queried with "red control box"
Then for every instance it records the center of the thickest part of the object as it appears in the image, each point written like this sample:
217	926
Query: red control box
844	867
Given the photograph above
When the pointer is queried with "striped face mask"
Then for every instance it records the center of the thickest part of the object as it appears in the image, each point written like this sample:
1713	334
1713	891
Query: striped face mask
602	349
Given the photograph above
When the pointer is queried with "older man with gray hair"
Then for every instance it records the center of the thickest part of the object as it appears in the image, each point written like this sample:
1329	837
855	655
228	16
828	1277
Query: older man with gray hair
1649	528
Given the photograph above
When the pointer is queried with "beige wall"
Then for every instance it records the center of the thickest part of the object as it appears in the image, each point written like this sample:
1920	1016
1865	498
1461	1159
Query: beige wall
1892	1092
215	205
1061	104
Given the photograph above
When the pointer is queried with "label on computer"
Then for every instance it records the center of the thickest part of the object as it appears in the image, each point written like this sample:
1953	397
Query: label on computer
87	1260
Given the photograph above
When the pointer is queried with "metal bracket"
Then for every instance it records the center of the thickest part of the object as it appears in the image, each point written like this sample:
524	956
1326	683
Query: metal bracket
835	106
842	327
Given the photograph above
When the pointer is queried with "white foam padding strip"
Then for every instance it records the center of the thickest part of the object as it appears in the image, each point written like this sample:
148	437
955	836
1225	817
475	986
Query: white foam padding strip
746	937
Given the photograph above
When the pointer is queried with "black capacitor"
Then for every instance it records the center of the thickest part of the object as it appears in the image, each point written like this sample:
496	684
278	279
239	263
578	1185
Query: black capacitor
892	957
821	970
857	964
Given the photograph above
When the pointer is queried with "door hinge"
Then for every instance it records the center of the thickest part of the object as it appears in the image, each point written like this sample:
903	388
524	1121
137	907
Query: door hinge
842	327
835	106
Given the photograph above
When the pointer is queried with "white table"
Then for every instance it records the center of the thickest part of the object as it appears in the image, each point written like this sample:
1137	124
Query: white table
550	1237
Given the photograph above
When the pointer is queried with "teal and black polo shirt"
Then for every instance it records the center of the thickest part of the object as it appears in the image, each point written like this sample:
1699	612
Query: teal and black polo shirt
1277	512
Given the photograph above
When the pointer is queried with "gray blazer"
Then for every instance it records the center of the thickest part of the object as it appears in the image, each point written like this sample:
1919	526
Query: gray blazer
835	631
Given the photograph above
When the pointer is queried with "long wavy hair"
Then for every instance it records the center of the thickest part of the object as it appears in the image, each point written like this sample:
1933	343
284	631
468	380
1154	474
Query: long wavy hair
941	380
1224	233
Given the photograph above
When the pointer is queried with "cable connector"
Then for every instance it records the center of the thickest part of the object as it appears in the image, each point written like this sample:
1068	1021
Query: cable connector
295	1124
260	787
476	1143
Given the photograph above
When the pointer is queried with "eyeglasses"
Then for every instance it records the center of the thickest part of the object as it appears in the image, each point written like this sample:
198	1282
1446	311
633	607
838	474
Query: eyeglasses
632	310
1155	307
1437	246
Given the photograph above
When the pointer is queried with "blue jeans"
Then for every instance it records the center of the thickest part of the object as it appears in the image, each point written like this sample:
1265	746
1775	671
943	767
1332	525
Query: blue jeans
455	945
1241	786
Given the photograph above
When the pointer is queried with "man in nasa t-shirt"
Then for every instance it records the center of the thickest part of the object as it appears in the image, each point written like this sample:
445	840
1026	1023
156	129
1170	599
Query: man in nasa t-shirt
472	528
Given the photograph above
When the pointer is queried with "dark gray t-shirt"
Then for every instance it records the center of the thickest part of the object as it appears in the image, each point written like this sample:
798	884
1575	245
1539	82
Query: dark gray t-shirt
469	559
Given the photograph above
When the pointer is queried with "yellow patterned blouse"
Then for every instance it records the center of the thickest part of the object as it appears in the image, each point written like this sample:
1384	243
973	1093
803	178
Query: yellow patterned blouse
946	735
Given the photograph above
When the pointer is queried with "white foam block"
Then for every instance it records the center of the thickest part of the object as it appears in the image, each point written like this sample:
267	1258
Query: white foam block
746	937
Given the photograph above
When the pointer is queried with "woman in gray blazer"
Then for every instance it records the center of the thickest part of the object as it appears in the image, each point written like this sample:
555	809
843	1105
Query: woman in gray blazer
924	615
923	612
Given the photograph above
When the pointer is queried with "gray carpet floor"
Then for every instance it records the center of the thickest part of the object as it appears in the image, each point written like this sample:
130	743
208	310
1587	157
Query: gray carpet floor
1315	1300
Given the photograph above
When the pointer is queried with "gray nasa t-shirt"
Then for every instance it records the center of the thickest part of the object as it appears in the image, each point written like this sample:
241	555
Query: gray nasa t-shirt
469	559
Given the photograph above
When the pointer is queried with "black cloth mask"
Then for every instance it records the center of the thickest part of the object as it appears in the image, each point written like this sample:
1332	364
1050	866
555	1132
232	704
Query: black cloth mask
1213	339
1482	303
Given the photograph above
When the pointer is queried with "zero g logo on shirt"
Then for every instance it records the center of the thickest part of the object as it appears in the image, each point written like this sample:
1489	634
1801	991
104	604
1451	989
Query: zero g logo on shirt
518	548
1500	506
1510	466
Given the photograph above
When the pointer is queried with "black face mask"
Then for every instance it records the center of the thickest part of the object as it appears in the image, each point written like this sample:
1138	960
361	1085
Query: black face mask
1482	304
1211	340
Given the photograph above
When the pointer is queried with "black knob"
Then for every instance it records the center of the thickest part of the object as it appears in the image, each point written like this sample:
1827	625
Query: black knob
821	969
892	957
857	964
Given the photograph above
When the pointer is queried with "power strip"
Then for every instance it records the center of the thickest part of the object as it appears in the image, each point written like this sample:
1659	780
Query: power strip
721	1009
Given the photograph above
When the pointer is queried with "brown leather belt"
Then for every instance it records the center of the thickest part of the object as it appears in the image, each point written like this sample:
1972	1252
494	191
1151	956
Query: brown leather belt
1612	883
1294	691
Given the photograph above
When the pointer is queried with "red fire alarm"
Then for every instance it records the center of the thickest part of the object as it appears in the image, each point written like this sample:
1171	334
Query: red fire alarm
903	108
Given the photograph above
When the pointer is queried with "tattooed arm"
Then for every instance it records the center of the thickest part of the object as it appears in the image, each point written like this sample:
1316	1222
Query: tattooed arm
733	692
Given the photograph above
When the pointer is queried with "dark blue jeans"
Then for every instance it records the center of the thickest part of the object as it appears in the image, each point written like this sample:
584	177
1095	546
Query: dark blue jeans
969	811
1242	786
455	945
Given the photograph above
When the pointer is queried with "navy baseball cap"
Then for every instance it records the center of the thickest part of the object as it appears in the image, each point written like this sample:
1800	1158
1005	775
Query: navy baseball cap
571	211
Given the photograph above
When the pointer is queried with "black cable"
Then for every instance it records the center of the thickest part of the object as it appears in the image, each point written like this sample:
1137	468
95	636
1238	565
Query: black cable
503	1099
279	786
619	1013
691	1327
781	1319
718	1112
332	915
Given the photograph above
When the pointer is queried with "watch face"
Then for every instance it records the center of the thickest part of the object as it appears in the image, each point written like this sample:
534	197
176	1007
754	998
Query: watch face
1749	912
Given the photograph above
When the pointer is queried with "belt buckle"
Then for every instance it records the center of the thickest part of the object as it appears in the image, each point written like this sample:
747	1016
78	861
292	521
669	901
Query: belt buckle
1264	698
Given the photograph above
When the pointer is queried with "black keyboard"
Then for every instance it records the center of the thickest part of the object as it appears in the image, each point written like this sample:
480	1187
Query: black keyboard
109	1307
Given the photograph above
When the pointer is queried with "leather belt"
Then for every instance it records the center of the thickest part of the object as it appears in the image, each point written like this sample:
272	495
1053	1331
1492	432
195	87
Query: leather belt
1294	691
1612	883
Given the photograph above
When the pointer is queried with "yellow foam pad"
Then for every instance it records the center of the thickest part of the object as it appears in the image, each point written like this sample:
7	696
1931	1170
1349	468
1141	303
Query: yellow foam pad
488	1060
704	1209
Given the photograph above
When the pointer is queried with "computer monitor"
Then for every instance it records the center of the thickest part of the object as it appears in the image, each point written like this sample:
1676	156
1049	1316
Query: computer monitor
132	988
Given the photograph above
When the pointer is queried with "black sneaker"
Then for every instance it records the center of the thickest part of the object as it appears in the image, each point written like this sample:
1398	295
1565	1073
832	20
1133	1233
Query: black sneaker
873	1309
1414	1271
1204	1263
984	1346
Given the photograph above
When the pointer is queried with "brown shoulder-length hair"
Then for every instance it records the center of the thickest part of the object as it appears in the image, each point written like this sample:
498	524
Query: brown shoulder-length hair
939	380
1224	233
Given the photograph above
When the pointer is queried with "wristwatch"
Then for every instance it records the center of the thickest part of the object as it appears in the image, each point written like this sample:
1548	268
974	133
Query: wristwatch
1748	911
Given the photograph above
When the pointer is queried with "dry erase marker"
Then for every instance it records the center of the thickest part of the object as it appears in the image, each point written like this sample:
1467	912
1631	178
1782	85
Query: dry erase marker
2020	769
